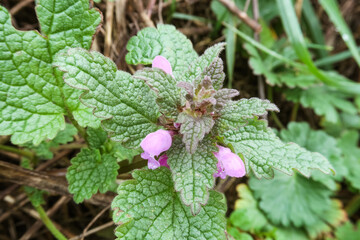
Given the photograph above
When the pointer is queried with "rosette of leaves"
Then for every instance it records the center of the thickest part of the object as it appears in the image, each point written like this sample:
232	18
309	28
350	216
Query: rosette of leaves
133	106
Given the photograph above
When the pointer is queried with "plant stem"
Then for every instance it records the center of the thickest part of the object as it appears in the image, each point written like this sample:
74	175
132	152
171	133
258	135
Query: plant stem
49	224
353	206
273	115
294	112
24	153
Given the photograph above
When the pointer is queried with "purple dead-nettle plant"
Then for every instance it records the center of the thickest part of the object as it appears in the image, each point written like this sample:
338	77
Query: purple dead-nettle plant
190	131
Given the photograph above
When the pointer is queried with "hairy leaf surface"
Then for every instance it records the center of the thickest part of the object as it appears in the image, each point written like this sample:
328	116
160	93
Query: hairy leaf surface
166	41
127	104
32	92
89	172
148	208
235	114
263	151
164	85
193	173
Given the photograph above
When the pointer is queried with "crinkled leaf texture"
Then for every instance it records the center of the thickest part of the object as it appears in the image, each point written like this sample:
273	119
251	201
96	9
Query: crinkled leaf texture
166	41
194	129
89	172
318	141
263	150
236	114
193	173
32	92
164	85
127	104
149	208
207	64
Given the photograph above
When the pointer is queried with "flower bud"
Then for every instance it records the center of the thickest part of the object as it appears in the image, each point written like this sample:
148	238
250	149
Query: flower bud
153	145
157	142
162	63
229	164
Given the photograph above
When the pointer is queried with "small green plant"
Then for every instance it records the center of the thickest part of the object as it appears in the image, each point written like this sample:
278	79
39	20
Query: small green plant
177	111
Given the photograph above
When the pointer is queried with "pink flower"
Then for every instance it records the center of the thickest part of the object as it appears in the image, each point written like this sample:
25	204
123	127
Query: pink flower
163	64
229	164
153	145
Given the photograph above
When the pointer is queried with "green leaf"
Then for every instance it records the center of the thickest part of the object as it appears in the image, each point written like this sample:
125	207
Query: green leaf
288	200
164	85
266	66
194	129
89	172
349	145
330	218
239	235
317	141
166	41
324	101
122	153
193	173
127	104
33	94
236	113
247	215
149	208
35	196
263	150
208	62
96	137
348	231
290	233
43	150
332	9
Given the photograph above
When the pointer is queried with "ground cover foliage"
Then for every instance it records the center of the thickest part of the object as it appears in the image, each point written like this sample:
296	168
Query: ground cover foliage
80	97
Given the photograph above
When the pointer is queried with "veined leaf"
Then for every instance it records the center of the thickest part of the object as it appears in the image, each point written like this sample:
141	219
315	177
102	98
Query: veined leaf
290	200
127	104
193	173
148	208
236	113
318	141
32	92
263	150
198	69
194	129
89	172
164	85
166	41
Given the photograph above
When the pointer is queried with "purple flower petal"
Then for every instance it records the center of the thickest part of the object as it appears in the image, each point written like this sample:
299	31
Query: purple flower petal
157	142
163	161
229	163
162	63
152	163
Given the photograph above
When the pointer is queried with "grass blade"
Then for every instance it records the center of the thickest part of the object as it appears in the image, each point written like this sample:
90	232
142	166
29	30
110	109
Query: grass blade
332	9
341	83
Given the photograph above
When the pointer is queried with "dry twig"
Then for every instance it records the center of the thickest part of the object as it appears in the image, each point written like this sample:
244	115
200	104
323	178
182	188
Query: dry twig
241	15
